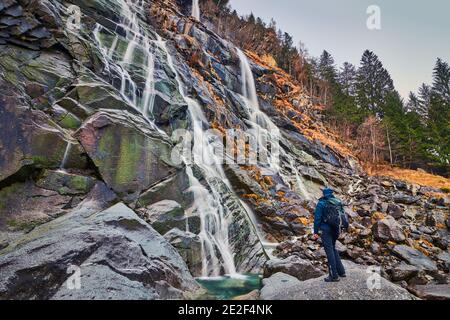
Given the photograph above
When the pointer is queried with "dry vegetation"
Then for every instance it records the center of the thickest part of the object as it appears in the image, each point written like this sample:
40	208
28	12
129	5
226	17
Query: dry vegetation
412	176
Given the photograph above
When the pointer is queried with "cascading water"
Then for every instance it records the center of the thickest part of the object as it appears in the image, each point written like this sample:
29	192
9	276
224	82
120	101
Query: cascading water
124	54
216	250
195	10
265	130
129	56
65	157
262	128
127	51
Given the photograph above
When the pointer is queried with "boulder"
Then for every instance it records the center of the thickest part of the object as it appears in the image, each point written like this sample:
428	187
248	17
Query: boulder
65	183
23	206
90	94
403	272
430	220
395	211
281	286
445	257
432	292
130	156
294	266
441	239
166	215
405	199
410	213
388	229
174	188
189	246
251	296
113	253
414	257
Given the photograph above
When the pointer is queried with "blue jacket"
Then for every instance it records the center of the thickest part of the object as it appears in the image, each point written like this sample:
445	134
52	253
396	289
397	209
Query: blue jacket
318	214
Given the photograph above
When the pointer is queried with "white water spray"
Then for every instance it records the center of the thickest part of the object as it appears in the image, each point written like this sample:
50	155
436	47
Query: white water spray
265	130
137	53
66	156
195	10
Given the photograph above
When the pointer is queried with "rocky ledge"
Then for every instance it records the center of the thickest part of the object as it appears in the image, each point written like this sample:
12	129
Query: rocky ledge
356	286
115	254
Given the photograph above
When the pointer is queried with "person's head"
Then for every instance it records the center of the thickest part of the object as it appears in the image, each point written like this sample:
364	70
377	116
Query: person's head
328	192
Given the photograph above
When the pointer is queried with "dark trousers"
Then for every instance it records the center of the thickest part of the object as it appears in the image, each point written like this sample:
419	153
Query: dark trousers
335	266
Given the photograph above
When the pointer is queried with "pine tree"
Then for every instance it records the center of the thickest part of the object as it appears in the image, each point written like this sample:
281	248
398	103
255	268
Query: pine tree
441	80
327	68
438	125
413	102
342	107
347	79
404	132
374	84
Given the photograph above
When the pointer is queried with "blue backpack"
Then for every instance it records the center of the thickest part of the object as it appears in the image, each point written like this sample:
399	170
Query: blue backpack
334	214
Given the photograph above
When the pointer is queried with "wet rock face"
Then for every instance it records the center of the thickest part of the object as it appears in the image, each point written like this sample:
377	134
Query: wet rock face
59	91
189	247
114	249
130	157
166	215
21	23
29	138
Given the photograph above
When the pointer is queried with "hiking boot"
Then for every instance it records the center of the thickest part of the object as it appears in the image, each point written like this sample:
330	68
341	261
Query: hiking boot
332	279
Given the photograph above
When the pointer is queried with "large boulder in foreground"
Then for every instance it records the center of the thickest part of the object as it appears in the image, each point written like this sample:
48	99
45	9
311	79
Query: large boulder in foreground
294	266
119	256
285	287
130	156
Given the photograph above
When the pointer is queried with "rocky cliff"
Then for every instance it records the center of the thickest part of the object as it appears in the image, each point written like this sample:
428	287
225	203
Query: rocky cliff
94	96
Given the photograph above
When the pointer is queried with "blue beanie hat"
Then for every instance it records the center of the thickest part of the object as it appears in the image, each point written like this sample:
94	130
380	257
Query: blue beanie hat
328	192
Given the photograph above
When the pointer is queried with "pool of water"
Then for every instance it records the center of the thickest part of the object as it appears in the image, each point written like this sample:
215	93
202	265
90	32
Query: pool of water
226	288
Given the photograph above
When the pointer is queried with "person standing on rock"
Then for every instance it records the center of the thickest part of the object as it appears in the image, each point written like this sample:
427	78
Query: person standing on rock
329	220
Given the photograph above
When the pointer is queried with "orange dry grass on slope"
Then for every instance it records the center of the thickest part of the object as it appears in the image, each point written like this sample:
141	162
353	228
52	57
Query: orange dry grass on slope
415	177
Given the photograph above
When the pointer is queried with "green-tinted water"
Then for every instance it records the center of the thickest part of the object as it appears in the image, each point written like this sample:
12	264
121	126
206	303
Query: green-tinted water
226	288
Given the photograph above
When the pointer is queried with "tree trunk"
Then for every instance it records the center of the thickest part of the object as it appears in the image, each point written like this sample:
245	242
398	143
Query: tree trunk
389	145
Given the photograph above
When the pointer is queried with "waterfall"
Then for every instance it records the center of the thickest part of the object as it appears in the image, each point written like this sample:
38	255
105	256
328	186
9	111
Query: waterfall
216	250
299	184
195	10
137	52
65	157
120	54
264	129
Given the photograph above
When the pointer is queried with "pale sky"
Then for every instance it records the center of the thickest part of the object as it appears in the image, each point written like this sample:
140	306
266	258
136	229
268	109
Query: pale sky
414	33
